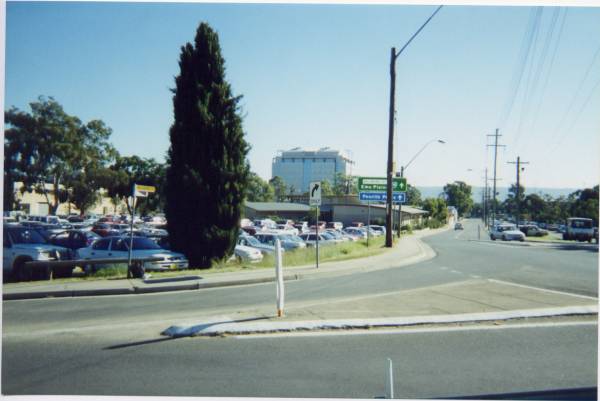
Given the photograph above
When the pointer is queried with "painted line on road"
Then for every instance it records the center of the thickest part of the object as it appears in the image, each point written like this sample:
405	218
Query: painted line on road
415	330
474	276
455	271
542	289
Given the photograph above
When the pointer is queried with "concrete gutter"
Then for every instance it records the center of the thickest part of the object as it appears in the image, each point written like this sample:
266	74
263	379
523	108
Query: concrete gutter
255	327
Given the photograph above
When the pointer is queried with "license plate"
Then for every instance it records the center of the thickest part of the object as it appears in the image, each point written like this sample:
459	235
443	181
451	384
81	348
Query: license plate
173	266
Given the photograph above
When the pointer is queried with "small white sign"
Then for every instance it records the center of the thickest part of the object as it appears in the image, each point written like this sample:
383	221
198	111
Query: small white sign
314	192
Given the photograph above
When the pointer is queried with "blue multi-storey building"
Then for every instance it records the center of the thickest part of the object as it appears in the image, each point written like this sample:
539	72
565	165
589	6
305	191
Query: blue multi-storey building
298	167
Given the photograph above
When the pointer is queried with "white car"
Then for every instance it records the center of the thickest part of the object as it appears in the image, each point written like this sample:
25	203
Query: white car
24	244
247	254
506	232
118	248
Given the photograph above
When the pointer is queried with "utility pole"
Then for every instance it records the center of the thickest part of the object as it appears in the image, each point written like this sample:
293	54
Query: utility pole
518	198
389	219
390	165
495	145
484	198
400	205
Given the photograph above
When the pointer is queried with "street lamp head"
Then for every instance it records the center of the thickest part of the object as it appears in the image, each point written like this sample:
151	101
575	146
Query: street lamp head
440	141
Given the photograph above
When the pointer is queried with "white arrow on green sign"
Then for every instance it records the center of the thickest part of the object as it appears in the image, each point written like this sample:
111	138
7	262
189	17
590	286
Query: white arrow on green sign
379	184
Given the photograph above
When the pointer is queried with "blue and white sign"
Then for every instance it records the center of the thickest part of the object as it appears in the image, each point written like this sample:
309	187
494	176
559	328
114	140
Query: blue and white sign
398	197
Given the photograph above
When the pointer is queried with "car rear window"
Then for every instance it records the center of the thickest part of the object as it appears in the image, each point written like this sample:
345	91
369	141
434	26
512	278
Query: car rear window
25	236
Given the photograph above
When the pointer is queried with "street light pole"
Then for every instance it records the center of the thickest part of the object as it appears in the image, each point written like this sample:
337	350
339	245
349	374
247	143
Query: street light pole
402	168
390	163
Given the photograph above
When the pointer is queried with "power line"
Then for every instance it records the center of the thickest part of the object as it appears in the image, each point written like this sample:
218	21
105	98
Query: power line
581	109
576	95
519	68
529	68
549	71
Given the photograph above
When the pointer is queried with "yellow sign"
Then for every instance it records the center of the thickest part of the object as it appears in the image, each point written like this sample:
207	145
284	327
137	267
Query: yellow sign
143	190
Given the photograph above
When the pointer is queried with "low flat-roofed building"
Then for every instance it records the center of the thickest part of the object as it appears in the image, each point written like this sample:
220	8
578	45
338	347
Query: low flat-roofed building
348	214
259	210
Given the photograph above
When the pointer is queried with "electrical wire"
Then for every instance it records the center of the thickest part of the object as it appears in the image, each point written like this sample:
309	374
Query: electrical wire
530	79
576	95
551	65
579	113
519	69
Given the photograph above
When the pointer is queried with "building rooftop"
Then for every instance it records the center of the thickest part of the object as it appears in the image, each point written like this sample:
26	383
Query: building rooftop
277	206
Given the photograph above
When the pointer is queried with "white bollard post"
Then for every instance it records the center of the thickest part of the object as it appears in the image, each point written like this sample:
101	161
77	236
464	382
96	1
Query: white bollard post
279	278
390	381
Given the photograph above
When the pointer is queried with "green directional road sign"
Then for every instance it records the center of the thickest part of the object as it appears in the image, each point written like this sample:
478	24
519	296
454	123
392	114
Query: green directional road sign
379	184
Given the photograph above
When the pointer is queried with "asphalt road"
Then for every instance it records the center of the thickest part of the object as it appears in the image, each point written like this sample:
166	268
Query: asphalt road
110	345
430	364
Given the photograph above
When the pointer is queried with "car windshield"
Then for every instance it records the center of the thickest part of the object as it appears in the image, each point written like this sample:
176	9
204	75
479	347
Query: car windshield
581	223
252	241
26	236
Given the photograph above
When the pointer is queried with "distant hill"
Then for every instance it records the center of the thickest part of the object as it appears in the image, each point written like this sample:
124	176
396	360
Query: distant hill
432	192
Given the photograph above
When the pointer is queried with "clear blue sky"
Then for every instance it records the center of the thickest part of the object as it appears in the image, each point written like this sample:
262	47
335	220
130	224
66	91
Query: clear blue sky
318	75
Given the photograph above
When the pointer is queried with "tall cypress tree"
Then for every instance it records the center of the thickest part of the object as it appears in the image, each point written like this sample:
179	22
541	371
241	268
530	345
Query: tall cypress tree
208	170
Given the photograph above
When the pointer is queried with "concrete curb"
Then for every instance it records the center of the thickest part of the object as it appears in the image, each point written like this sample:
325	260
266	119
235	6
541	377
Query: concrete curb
237	328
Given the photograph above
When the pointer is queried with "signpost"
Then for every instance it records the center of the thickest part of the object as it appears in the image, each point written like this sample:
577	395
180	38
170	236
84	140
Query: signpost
139	191
398	197
314	190
379	184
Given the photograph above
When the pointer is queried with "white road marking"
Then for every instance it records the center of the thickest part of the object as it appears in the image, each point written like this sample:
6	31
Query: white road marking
444	268
455	271
542	289
363	332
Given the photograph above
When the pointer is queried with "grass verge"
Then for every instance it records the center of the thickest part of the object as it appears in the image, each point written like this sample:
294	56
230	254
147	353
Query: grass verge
300	257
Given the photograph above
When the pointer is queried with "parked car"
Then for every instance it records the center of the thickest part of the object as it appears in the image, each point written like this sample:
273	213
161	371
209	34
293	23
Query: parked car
355	232
290	237
105	229
311	239
249	241
531	230
458	226
336	225
580	229
302	227
331	237
74	239
506	232
24	244
379	229
338	235
285	240
246	254
118	248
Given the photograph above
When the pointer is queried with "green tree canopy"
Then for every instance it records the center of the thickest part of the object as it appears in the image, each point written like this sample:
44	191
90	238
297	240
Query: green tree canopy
259	190
208	172
437	208
344	185
413	196
458	194
279	188
49	146
129	170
